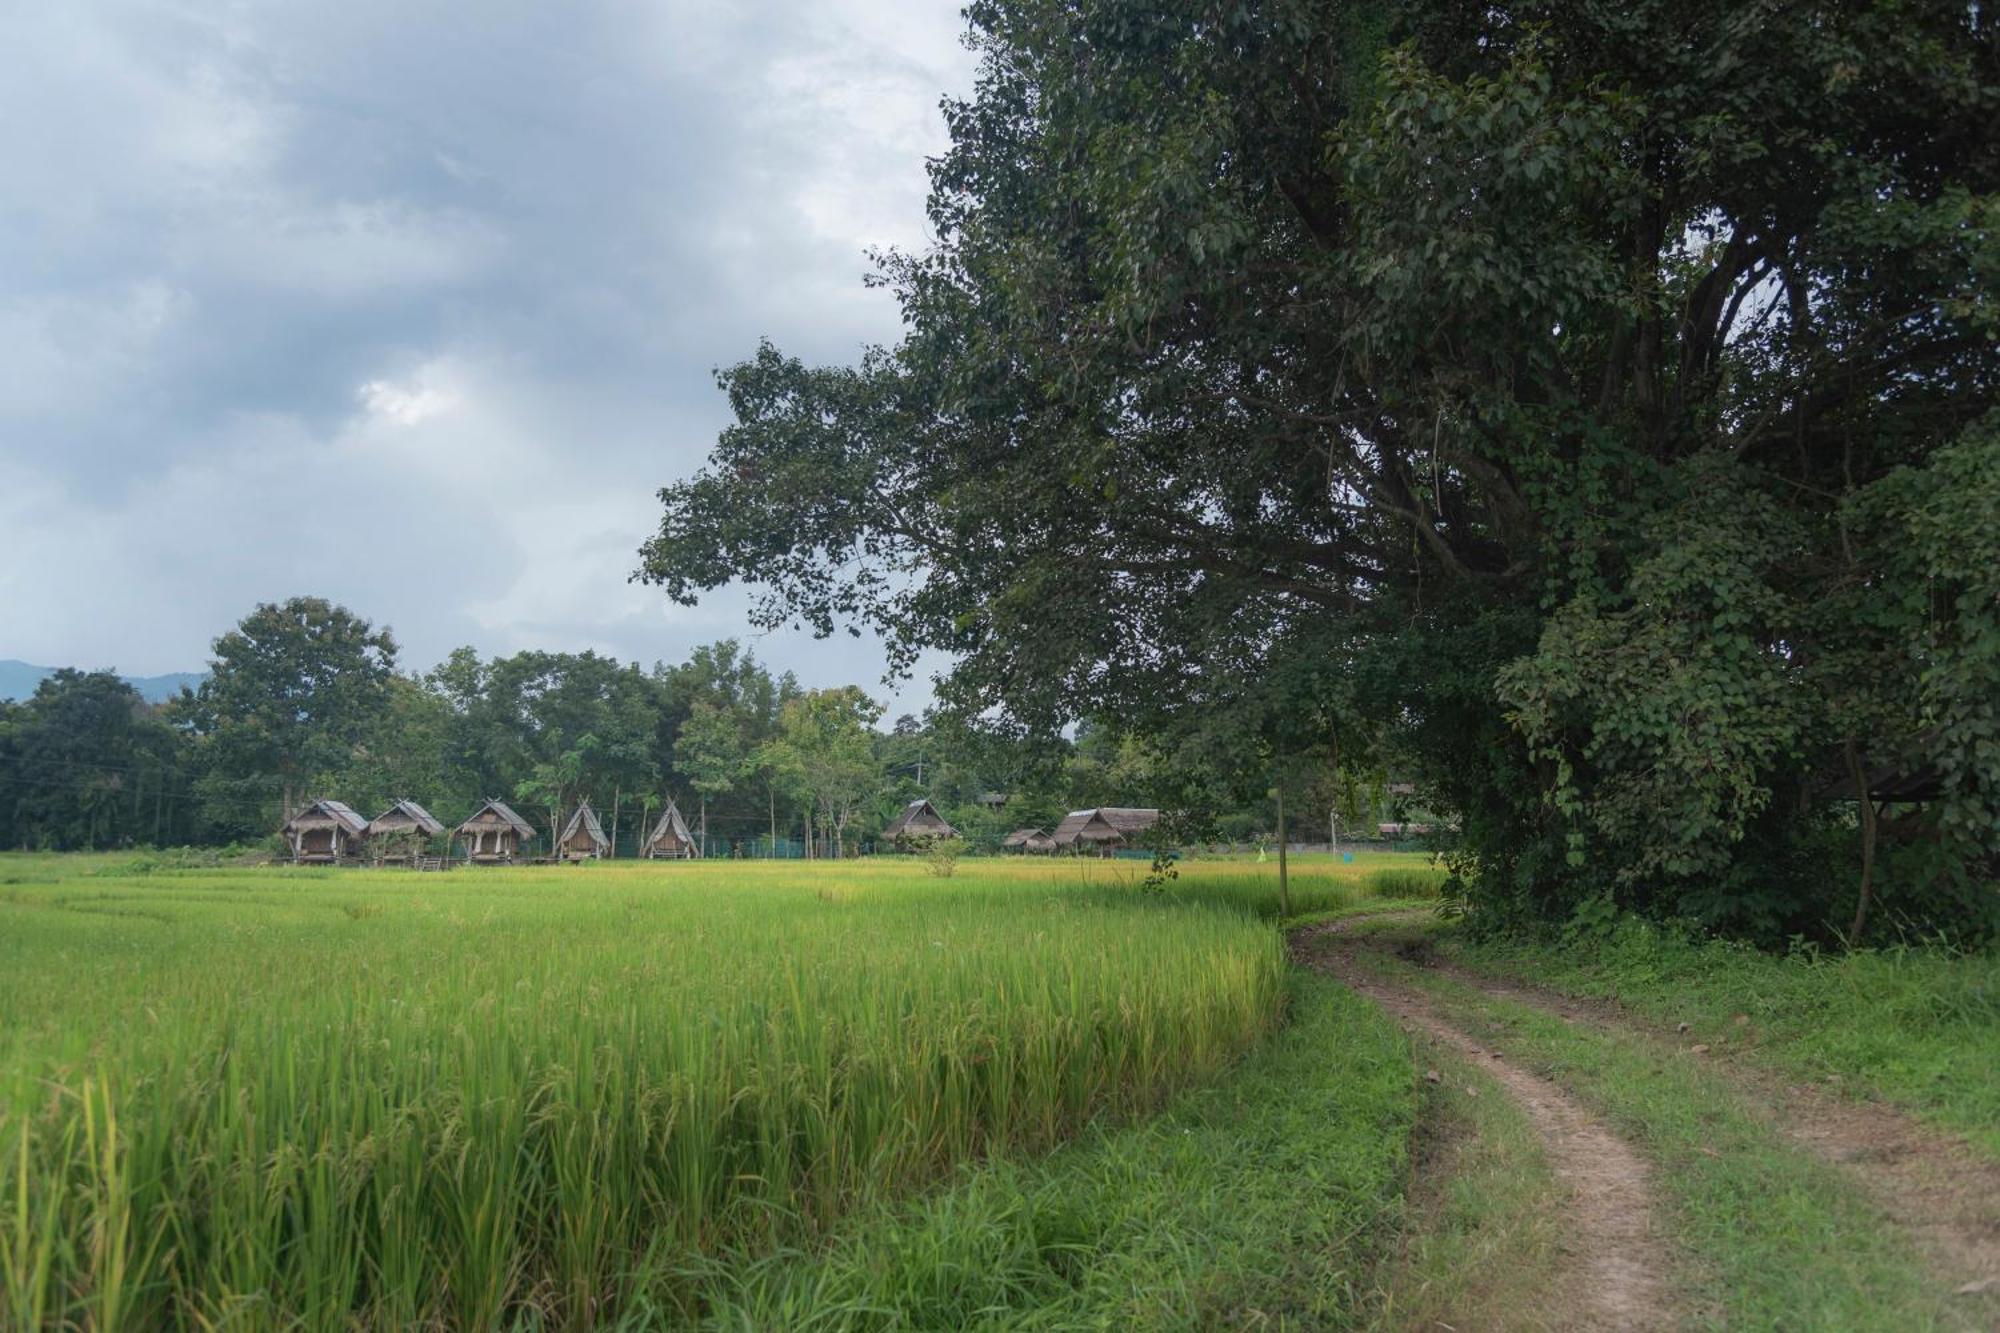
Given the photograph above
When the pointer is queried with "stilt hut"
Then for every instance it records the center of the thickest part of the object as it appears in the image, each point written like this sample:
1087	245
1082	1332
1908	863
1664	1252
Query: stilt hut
403	826
325	832
494	834
670	839
1028	840
918	822
583	837
1104	829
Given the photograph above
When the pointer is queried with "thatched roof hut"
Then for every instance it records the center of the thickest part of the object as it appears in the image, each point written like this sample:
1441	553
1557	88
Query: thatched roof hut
1104	828
325	831
494	833
1028	840
670	839
918	821
405	817
583	837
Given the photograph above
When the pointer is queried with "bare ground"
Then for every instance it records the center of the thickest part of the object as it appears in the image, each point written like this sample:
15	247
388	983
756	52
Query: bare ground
1617	1263
1940	1191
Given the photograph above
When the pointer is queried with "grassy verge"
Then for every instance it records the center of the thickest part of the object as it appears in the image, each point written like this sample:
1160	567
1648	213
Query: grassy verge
1262	1201
1919	1026
1781	1240
1480	1242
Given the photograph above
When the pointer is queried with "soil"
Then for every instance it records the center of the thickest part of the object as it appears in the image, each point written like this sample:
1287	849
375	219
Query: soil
1618	1265
1939	1190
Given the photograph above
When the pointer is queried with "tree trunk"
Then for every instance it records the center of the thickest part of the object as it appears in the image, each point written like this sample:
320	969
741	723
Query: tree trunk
1857	771
704	826
773	790
617	795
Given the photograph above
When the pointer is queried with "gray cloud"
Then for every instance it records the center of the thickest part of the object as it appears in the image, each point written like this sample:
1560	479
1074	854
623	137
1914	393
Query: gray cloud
415	305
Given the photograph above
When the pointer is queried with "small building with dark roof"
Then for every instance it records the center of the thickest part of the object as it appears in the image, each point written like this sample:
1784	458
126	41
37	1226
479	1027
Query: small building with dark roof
324	832
583	837
670	839
918	822
1028	840
494	833
405	817
1103	829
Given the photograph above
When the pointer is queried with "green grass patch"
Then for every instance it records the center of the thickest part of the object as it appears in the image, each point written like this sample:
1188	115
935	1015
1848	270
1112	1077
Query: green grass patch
1262	1201
1480	1245
530	1096
1777	1239
1920	1026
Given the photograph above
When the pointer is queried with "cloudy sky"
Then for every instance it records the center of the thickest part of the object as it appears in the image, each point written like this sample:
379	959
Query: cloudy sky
414	305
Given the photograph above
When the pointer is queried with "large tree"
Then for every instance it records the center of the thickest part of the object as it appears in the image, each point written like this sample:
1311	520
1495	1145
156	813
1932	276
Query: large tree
1584	399
291	692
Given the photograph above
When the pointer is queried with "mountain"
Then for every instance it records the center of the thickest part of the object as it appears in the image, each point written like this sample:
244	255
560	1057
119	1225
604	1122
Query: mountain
18	681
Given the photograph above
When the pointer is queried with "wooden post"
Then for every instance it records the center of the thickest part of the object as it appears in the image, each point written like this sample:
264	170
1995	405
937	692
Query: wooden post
1284	880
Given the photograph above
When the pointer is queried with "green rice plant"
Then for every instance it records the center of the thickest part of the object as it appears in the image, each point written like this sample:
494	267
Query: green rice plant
275	1097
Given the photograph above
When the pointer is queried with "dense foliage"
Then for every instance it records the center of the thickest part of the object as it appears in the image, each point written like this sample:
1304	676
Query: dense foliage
1588	407
304	700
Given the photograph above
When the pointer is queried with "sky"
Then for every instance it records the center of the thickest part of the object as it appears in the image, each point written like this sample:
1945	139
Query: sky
416	305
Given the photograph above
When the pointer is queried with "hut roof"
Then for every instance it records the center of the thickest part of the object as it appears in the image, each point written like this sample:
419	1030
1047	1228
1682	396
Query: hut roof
500	813
326	814
587	819
1022	837
1107	823
919	819
402	813
671	825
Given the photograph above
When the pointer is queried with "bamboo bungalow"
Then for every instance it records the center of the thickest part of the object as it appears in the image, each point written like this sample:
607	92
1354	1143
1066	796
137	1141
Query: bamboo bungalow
919	822
494	834
1104	829
583	837
1028	840
325	832
670	839
404	822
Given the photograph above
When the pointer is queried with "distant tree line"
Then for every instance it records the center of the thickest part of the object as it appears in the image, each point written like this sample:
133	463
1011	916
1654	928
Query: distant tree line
305	699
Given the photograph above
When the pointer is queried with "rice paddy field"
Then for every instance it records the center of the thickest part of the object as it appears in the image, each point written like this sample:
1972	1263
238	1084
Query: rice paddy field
545	1097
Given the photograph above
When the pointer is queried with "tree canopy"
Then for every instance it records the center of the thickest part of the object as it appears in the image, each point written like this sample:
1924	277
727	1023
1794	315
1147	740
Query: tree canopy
1589	406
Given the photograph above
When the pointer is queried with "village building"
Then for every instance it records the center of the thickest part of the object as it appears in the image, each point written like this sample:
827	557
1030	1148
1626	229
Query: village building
494	834
1104	829
406	824
1028	840
670	839
583	837
325	832
918	822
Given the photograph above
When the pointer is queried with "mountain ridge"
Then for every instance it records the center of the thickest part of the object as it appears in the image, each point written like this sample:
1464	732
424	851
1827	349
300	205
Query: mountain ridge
18	680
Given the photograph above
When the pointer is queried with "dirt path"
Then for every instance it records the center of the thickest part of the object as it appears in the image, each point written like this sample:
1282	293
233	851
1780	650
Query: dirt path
1940	1191
1618	1264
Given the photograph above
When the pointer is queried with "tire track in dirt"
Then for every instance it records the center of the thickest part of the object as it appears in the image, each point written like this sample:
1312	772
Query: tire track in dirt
1938	1190
1617	1262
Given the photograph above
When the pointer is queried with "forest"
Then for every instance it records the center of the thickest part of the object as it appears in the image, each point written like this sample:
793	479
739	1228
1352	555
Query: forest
306	699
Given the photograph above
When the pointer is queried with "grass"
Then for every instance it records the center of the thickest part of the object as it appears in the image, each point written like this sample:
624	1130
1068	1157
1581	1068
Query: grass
559	1097
1480	1247
1777	1239
1259	1202
1919	1026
